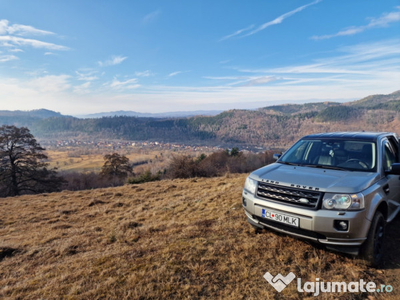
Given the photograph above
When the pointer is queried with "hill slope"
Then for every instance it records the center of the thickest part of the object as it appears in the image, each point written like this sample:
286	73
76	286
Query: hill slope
174	239
375	100
176	114
275	126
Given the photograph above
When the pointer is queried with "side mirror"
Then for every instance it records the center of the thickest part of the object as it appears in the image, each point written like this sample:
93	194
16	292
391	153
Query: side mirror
276	156
395	169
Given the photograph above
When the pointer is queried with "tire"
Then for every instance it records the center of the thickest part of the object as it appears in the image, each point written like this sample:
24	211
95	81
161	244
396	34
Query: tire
372	251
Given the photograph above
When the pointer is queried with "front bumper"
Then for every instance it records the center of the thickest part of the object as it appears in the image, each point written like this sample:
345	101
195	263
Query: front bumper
316	225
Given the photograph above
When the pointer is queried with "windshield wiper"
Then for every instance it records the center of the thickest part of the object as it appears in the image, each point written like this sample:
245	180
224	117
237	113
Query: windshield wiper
326	167
288	163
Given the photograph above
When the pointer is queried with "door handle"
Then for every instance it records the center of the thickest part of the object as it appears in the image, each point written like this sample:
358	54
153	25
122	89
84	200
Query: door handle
386	189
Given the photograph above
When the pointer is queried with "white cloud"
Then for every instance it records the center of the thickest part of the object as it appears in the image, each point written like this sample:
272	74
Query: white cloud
238	32
146	73
276	21
364	66
82	88
121	85
87	75
5	58
176	73
22	30
13	41
15	50
280	19
50	83
352	72
13	37
244	80
383	21
260	80
114	60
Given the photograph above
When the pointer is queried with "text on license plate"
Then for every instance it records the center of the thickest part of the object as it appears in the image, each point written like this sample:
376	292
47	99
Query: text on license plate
278	217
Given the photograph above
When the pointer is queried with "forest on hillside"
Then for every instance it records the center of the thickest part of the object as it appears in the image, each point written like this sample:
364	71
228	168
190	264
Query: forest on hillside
273	126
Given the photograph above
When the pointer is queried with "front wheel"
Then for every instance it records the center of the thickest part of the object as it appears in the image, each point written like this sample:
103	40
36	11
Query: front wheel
373	248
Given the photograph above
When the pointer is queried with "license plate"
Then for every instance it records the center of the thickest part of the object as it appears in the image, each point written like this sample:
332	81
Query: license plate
281	218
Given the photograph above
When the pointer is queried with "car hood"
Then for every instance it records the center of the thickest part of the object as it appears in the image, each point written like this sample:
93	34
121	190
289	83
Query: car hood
324	180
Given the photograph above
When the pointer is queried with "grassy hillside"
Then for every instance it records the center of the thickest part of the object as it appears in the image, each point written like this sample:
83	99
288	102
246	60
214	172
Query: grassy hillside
174	239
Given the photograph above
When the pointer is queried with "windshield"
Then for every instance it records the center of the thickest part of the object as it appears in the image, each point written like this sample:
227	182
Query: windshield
354	155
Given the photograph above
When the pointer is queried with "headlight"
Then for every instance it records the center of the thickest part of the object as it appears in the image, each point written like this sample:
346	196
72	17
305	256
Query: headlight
250	185
343	201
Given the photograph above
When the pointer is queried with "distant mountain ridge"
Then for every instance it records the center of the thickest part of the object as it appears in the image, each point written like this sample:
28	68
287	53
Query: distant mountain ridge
36	113
273	126
177	114
299	108
26	118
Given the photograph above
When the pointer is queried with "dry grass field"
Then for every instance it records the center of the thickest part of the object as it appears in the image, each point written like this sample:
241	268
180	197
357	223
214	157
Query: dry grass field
172	239
64	161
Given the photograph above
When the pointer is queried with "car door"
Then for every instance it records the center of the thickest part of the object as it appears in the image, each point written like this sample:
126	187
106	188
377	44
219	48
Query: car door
392	186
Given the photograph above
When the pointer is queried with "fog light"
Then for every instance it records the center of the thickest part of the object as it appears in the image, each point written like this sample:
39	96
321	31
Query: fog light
341	225
244	201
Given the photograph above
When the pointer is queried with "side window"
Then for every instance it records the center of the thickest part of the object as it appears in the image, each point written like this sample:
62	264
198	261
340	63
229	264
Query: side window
296	156
389	156
394	146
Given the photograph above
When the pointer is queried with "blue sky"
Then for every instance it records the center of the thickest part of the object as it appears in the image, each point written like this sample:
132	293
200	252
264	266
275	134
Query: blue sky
79	57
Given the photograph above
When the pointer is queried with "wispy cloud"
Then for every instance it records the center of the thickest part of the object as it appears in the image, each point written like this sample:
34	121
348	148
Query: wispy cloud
276	21
236	33
244	80
5	58
121	85
372	65
174	73
14	37
146	73
21	30
151	17
261	80
14	41
87	75
15	50
383	21
114	60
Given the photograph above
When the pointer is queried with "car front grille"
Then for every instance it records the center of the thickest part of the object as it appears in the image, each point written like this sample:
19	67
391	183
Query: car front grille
298	197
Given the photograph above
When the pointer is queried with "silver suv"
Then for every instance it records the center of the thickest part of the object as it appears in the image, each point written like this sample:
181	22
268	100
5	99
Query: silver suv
338	189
